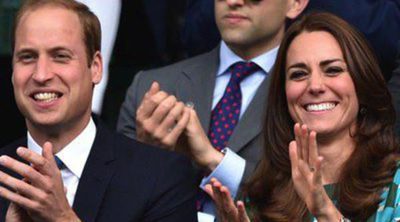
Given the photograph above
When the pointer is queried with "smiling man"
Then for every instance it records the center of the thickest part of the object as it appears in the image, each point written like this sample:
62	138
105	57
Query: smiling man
229	106
74	168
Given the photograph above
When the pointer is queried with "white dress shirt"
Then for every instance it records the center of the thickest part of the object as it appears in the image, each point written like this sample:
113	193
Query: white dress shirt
230	170
74	156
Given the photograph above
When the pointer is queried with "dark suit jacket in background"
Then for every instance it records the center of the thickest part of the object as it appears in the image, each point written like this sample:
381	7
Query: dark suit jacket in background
199	33
194	80
378	20
148	37
394	88
124	180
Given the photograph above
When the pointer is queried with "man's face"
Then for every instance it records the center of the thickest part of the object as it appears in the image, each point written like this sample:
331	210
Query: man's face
253	26
53	82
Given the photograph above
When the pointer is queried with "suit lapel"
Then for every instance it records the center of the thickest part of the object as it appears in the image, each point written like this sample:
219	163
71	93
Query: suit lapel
96	176
251	123
197	85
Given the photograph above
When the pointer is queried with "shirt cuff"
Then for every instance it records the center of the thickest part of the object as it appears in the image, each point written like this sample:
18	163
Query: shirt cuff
229	172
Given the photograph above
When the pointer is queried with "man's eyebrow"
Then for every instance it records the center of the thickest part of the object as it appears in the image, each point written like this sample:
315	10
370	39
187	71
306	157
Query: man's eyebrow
60	48
25	50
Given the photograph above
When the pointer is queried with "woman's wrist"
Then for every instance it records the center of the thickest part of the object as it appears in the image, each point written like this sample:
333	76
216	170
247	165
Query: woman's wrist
330	214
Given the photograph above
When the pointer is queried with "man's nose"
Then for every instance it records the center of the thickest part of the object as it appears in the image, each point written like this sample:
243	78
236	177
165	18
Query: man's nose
42	71
233	3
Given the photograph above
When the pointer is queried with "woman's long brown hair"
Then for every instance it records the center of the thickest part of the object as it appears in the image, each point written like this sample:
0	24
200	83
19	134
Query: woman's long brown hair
372	164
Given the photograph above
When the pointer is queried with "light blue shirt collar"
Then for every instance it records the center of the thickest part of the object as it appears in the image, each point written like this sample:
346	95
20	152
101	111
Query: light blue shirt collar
228	57
75	154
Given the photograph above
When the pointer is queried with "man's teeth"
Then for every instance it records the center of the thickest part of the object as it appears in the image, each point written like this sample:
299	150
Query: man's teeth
45	97
320	107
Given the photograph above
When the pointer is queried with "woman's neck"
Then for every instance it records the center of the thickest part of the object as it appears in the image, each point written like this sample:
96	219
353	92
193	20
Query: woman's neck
335	153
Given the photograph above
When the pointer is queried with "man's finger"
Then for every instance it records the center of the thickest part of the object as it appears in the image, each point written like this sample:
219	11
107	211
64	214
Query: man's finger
163	109
172	136
23	169
19	186
154	88
31	157
170	120
43	163
182	123
149	104
48	154
17	198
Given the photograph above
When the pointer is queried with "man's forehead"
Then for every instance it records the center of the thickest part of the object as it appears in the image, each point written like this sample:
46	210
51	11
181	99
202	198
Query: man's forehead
50	16
50	22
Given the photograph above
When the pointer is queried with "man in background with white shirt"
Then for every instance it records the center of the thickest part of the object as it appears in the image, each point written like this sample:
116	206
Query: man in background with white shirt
74	168
155	113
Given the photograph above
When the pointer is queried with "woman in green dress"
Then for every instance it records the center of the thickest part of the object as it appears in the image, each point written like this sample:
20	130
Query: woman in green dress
330	151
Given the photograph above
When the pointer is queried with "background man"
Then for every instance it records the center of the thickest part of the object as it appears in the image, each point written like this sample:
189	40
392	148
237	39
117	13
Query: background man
251	32
107	177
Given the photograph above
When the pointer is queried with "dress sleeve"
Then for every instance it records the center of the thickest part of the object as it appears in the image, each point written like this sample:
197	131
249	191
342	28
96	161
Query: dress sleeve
389	209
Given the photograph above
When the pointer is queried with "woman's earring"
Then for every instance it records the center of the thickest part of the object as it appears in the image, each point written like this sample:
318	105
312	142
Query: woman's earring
363	111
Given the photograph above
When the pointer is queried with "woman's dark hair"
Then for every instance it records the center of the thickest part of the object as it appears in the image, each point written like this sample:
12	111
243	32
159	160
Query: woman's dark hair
372	164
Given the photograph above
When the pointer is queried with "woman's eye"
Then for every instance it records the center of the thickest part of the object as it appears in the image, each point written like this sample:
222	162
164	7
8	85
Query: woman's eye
334	70
297	75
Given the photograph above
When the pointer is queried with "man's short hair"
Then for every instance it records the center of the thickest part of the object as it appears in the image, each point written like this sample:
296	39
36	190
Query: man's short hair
91	29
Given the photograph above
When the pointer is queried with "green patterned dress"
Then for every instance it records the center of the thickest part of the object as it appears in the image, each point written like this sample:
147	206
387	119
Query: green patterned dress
388	210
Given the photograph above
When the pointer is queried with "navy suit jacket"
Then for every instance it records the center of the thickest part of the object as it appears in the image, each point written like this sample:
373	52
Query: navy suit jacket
124	180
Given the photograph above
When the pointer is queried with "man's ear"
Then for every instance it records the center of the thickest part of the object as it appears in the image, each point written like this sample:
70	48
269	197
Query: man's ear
96	68
296	7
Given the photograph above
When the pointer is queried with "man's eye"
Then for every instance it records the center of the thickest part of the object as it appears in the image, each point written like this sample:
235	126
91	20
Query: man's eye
61	57
26	58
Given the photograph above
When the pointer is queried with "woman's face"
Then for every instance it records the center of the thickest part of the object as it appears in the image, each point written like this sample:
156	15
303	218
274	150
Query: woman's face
319	89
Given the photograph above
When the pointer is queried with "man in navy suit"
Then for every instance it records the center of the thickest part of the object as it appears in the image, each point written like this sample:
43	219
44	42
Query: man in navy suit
73	168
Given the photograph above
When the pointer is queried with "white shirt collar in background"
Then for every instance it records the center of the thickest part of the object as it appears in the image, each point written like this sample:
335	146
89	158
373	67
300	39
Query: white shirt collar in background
228	57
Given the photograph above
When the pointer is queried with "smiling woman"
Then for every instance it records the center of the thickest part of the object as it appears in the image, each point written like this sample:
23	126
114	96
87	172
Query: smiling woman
319	89
340	158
